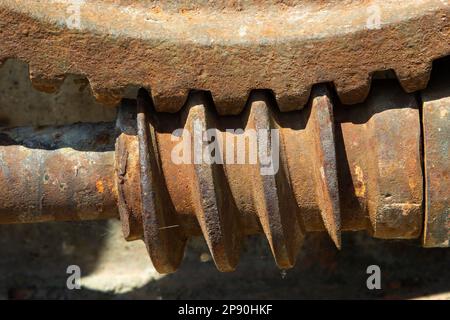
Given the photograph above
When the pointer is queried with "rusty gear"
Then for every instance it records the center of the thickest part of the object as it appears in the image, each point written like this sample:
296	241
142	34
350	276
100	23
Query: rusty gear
381	165
341	169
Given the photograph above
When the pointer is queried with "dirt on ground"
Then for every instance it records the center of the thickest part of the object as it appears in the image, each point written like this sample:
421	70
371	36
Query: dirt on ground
35	259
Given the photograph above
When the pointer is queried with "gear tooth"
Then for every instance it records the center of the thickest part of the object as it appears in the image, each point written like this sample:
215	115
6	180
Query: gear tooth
294	102
163	233
414	77
232	104
276	210
215	209
325	166
353	90
169	102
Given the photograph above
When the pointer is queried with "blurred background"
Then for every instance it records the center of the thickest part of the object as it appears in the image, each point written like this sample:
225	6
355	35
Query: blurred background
34	258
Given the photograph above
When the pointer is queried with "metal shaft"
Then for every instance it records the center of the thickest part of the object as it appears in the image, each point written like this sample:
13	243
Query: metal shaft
57	174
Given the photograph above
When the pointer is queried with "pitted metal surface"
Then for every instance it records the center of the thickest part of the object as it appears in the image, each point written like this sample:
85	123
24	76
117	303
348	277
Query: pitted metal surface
229	48
379	166
341	169
436	117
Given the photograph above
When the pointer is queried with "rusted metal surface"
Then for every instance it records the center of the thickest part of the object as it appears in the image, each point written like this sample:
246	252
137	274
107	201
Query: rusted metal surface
380	163
325	166
436	132
360	171
163	236
340	169
228	48
128	173
57	174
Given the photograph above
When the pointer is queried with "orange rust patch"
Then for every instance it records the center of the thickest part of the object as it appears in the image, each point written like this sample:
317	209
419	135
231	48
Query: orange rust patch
99	186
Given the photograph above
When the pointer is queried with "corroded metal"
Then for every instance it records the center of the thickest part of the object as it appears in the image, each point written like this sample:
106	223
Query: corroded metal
380	161
340	169
57	174
163	235
325	166
335	175
128	173
228	48
436	132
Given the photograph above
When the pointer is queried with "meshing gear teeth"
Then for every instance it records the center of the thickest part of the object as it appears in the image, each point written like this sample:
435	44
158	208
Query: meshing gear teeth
304	194
340	169
380	166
